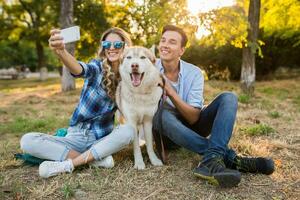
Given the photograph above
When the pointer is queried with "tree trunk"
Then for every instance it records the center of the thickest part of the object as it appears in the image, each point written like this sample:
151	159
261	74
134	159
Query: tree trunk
66	20
248	63
41	60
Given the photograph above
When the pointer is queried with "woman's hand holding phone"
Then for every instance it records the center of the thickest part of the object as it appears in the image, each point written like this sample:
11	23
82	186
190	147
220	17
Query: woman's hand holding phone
56	42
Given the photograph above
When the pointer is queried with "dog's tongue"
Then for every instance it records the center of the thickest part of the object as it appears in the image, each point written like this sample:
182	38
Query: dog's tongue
136	79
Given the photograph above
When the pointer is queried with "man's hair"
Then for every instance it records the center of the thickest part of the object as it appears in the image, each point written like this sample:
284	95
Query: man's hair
184	38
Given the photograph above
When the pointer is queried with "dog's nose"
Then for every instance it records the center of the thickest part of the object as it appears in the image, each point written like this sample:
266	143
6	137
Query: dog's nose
134	66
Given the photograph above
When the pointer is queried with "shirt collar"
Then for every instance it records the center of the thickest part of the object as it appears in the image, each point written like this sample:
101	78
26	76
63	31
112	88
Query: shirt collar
162	70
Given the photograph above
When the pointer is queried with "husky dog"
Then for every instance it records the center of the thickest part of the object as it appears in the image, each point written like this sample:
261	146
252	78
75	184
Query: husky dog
137	97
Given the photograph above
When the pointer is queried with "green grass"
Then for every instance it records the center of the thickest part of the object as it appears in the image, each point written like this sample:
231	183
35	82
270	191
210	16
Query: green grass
265	104
258	130
23	125
68	191
7	85
244	98
274	114
279	93
296	101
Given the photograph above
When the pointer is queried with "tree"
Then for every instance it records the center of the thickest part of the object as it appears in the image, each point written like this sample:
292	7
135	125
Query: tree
66	20
227	25
92	18
249	50
150	17
31	21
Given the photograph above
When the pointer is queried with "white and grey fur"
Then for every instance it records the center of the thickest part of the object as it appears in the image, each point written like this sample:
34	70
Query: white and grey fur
138	104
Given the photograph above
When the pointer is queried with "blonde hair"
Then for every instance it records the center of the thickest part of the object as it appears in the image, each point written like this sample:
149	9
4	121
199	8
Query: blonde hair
110	78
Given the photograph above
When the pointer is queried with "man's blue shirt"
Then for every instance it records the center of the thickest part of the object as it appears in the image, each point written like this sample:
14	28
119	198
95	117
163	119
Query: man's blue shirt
190	83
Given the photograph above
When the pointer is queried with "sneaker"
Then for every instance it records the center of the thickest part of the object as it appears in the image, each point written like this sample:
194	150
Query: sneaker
53	168
253	165
107	162
216	173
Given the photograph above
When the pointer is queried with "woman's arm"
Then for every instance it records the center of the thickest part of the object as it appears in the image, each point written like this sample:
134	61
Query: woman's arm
57	45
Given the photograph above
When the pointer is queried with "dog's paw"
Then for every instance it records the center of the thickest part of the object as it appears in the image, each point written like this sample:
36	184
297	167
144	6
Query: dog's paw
156	162
139	165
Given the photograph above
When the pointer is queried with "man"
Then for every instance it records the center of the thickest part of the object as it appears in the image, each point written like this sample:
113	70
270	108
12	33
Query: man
184	121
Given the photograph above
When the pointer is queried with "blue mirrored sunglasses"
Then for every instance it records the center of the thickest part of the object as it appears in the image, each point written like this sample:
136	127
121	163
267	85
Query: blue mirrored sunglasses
117	44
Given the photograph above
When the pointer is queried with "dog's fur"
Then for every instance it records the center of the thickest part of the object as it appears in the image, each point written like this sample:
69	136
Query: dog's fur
137	97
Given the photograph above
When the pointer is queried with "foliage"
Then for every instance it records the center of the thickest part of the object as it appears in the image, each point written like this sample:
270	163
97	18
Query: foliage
219	63
227	25
24	24
29	21
280	18
91	16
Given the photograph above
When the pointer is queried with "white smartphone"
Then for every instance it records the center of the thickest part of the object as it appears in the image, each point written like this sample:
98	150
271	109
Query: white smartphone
70	34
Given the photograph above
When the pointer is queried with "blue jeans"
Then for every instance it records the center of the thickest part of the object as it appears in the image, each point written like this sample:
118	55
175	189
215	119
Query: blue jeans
216	119
79	139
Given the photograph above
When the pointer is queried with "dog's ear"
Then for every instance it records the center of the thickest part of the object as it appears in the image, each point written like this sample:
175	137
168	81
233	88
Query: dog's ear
150	55
123	54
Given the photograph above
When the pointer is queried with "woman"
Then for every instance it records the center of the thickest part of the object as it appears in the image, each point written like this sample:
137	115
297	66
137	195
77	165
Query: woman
91	137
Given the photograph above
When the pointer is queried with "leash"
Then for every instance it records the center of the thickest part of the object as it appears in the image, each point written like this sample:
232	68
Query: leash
160	144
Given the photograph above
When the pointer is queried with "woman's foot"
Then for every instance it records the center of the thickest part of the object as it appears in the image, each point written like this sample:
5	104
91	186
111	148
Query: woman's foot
107	162
53	168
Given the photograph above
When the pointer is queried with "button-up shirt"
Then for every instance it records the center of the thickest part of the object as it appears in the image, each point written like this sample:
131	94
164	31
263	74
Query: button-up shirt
190	83
95	107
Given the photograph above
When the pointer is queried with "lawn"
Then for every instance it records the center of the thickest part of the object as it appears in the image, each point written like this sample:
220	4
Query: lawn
268	124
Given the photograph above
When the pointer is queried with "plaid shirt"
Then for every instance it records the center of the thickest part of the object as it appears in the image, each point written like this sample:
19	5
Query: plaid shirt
95	109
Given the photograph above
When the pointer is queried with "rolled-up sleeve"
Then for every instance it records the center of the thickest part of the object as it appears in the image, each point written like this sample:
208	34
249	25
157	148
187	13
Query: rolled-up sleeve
195	96
89	70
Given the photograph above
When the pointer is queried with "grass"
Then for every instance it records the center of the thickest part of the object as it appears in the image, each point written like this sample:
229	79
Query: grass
258	130
280	93
244	98
274	114
23	124
68	191
297	102
30	105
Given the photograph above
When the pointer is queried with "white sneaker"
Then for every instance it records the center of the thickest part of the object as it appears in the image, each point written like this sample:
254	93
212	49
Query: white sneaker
107	162
53	168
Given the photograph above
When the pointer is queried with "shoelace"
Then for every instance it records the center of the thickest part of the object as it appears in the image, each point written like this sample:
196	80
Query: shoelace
216	165
247	164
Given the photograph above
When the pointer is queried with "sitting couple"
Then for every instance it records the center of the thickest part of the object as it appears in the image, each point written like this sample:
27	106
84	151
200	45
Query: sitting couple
186	122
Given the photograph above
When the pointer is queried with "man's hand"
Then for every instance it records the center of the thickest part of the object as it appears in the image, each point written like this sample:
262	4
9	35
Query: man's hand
190	113
166	86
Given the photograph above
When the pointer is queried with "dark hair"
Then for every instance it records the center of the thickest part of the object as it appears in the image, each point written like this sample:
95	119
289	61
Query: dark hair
184	38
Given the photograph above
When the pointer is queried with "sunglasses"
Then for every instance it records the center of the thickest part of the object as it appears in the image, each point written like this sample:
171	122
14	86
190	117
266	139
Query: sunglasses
117	44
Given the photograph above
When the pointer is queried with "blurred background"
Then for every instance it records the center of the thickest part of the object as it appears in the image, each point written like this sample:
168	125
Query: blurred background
217	32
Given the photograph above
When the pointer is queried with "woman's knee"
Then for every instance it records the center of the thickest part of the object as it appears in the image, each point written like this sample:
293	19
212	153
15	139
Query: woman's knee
126	133
28	141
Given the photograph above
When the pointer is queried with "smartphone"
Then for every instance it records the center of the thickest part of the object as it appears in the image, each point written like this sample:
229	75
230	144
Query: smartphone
70	34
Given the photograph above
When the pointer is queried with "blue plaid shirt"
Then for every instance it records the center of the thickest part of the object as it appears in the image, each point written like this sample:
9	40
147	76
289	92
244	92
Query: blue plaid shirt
95	108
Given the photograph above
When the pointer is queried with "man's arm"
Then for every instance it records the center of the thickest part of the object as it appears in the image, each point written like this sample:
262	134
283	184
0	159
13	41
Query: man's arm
190	113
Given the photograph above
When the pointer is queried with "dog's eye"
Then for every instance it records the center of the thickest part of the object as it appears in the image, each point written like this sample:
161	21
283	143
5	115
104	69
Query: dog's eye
143	57
128	57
